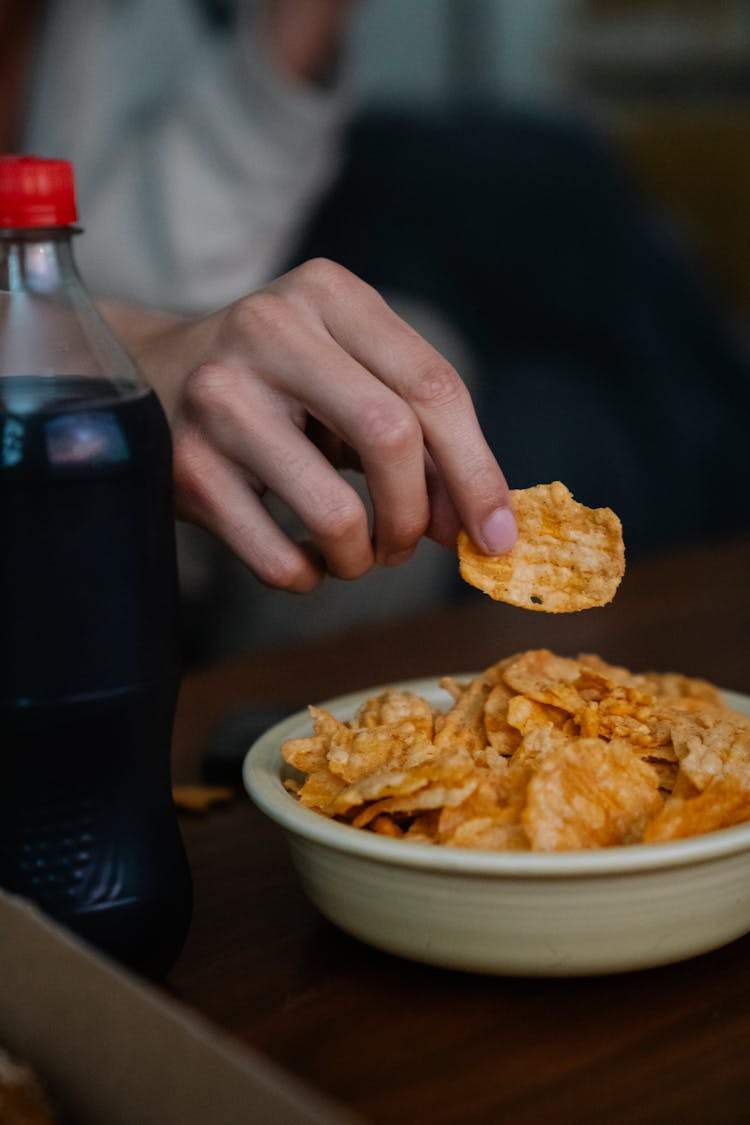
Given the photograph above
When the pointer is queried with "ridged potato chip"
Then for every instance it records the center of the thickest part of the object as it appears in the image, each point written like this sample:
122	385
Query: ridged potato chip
723	804
540	752
567	557
590	794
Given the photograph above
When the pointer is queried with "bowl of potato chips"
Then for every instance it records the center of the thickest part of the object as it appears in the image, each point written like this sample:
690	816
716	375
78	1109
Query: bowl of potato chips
549	816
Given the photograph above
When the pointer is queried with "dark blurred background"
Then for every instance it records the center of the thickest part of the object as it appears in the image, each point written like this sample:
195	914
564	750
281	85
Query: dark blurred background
665	82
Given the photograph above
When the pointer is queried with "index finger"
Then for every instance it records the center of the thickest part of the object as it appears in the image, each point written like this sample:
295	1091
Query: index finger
411	367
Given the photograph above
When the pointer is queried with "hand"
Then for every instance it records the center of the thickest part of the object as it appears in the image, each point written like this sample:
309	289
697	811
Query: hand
305	36
310	374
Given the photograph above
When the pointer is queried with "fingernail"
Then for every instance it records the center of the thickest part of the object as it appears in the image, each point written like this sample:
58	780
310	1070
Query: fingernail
499	531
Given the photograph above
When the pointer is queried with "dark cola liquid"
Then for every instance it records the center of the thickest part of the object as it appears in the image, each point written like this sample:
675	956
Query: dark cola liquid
88	667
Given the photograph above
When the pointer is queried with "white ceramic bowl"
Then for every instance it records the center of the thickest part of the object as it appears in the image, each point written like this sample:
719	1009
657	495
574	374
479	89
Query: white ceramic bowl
559	914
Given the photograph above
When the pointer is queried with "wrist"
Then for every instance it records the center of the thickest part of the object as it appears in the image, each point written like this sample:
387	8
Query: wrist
136	327
152	339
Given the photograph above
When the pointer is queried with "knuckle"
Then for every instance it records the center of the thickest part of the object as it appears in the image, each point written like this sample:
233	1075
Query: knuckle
392	430
210	388
257	316
327	277
340	520
436	383
400	532
411	529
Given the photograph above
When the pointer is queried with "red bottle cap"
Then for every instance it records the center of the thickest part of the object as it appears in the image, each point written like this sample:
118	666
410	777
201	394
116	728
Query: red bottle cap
36	192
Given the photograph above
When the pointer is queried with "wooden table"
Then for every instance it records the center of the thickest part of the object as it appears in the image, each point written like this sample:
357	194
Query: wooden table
401	1042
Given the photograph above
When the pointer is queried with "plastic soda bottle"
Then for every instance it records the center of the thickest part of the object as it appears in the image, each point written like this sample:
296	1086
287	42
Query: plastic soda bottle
88	599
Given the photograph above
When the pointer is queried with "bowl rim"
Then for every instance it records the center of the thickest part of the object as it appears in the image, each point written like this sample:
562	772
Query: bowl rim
262	778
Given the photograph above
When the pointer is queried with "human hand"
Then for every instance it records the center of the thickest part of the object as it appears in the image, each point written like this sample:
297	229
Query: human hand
310	374
305	36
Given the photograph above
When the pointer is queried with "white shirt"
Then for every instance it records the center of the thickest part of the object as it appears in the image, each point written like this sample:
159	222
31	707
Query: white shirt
196	163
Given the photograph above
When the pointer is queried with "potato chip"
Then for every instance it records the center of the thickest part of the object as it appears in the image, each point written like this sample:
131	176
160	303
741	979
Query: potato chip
537	743
351	751
386	825
500	733
567	557
600	706
433	797
670	685
464	724
394	706
673	685
200	798
722	804
449	772
540	751
307	754
484	832
590	794
374	748
524	714
375	787
455	688
600	720
614	672
320	790
710	749
498	795
683	787
665	771
423	828
541	675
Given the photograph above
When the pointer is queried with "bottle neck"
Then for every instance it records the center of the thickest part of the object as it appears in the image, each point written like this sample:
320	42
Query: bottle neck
49	323
38	261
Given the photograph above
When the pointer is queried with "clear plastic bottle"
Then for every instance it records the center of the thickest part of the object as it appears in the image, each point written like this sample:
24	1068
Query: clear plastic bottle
88	597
